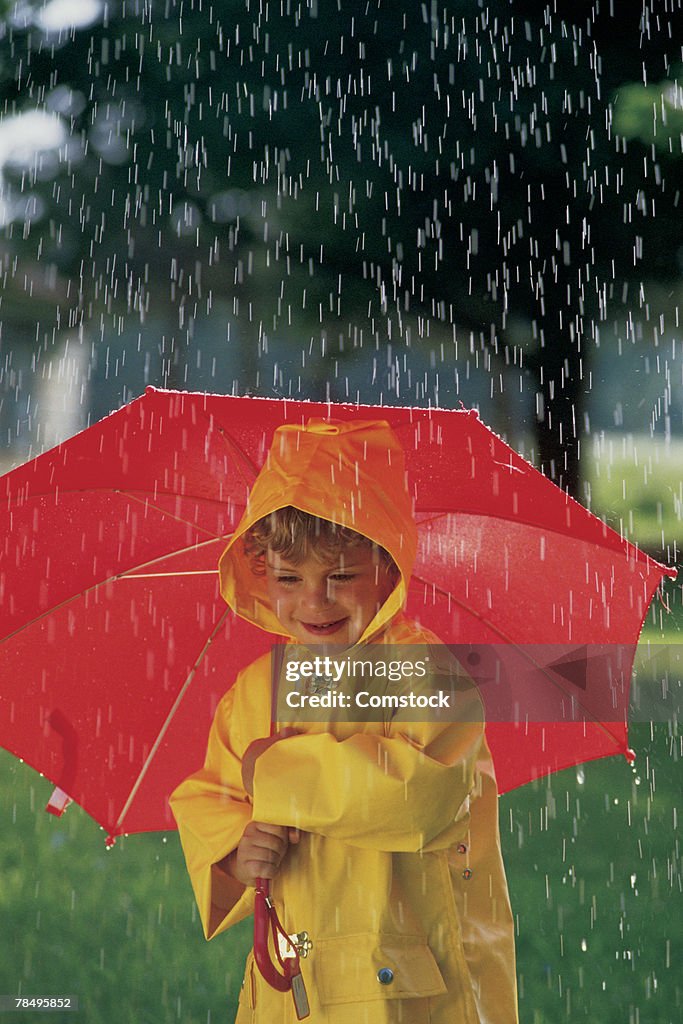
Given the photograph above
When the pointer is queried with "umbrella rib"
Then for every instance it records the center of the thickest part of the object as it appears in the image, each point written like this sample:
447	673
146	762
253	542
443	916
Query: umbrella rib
147	504
118	490
520	647
232	443
131	573
172	554
163	512
160	575
165	726
632	549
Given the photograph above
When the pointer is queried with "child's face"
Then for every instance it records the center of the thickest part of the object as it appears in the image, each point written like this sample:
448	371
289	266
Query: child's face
322	601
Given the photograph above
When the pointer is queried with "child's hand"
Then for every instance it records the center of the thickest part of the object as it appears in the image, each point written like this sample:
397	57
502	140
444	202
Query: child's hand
260	851
255	750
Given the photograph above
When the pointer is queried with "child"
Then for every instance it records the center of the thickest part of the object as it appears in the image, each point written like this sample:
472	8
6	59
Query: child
380	838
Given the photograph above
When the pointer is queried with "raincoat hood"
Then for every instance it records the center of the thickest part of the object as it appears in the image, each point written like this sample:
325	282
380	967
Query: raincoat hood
352	474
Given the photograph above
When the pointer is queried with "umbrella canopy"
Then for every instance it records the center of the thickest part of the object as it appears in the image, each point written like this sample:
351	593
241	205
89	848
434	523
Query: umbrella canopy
115	645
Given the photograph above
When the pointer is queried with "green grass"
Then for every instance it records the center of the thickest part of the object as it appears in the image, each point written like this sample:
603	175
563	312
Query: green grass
118	928
593	855
594	866
595	873
636	484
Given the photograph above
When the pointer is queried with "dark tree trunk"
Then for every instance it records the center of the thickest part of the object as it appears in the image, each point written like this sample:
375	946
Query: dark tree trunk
561	373
559	411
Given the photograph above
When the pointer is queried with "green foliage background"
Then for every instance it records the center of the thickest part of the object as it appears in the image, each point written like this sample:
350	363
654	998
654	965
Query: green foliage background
355	176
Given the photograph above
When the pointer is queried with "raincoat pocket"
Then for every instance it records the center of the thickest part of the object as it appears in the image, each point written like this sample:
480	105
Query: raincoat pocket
367	967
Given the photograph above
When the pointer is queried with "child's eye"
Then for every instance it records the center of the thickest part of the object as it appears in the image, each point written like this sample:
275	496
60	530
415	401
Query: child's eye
341	577
287	580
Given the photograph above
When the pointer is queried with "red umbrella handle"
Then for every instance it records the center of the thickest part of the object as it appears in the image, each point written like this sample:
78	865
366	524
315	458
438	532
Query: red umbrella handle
265	915
265	920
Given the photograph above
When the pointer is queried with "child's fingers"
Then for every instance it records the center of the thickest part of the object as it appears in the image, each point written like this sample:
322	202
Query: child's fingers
271	854
266	829
261	850
256	862
260	869
287	833
272	837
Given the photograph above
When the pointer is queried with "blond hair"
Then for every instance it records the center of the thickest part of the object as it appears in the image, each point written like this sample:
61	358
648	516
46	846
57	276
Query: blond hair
294	535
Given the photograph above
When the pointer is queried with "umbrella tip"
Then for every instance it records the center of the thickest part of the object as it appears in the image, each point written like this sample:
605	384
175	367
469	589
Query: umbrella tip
58	802
470	412
630	755
110	841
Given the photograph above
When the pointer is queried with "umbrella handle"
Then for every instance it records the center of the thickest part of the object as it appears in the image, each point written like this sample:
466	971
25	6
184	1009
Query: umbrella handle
265	916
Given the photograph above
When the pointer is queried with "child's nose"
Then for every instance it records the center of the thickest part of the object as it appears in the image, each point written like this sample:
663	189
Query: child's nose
317	594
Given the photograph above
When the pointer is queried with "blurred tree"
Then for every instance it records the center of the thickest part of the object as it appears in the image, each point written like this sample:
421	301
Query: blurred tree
454	161
653	113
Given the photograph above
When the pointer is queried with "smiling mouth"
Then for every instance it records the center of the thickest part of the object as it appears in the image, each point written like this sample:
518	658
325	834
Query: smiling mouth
323	628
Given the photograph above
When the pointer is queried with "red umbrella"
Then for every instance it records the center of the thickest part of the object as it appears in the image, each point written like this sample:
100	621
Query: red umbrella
115	645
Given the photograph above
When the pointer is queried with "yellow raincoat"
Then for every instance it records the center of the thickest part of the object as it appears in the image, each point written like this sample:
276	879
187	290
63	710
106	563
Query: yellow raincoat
399	864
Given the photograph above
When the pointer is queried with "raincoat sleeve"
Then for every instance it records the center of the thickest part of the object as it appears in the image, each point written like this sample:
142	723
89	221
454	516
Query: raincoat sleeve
212	810
405	791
